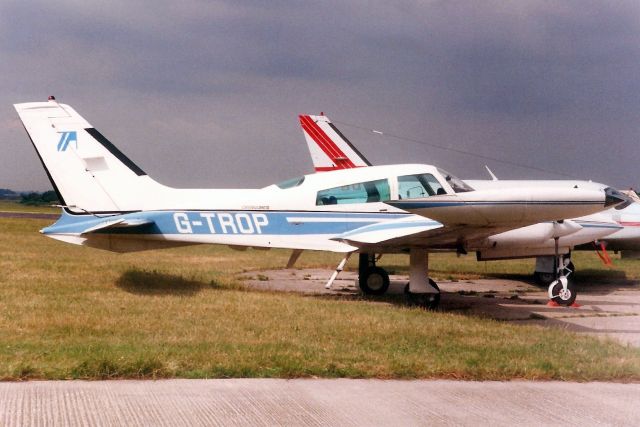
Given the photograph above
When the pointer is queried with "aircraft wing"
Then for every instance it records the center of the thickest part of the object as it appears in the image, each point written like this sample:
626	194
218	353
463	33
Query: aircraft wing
510	207
387	231
450	221
396	235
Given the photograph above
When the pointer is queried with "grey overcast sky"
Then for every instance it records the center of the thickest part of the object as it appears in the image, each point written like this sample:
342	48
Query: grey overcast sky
207	93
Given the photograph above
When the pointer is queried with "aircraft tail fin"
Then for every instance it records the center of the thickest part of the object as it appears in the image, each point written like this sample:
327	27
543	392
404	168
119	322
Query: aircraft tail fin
329	148
87	171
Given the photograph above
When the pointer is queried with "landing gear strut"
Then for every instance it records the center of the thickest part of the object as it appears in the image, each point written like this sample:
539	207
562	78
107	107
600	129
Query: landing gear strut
422	291
371	279
545	270
561	291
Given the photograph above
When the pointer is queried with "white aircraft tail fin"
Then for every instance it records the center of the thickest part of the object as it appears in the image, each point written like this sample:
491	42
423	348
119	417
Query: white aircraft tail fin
329	148
88	172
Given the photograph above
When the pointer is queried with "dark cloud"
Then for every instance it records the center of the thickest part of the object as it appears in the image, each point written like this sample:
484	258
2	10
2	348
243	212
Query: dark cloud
210	88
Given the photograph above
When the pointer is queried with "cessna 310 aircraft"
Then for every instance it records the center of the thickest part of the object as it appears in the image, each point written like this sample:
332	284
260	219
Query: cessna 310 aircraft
616	229
110	203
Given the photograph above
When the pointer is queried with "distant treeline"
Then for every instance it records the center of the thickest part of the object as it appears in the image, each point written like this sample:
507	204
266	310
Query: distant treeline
46	198
6	194
31	197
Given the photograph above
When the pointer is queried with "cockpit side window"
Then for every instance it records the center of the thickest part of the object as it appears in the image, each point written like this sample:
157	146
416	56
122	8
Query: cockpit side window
420	185
362	192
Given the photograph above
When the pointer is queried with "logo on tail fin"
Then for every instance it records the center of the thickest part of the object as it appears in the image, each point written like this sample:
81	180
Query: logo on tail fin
66	138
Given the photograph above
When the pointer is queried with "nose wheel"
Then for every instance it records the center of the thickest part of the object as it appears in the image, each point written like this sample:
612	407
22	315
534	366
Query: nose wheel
562	291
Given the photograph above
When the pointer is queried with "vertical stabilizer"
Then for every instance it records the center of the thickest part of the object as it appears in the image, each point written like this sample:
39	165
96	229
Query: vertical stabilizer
329	148
87	171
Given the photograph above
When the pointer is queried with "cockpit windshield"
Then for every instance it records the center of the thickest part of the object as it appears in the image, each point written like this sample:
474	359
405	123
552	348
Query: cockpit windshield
290	183
458	185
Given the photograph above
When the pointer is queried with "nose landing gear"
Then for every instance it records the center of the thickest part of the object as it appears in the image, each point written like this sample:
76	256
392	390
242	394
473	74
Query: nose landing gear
561	290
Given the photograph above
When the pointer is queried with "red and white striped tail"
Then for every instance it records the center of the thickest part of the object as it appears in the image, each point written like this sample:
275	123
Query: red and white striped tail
329	148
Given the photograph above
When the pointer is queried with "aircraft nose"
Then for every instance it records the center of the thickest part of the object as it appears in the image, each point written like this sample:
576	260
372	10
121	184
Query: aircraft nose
613	197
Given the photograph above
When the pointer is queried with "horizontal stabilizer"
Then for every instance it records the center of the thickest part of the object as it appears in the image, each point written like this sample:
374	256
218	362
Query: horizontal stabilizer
117	223
386	231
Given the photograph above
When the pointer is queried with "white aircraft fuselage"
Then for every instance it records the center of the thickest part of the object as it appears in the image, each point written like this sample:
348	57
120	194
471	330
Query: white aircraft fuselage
111	203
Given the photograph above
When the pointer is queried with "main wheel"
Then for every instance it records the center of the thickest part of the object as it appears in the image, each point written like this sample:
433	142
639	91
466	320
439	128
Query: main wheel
374	282
428	301
561	296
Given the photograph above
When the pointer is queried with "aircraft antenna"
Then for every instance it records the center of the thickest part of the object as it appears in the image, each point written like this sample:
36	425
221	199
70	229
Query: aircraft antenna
455	150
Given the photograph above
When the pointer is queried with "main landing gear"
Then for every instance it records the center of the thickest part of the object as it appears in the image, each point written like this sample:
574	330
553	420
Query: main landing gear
427	300
371	279
421	291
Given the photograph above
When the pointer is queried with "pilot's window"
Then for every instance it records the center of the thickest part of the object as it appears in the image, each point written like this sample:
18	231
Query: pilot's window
362	192
421	185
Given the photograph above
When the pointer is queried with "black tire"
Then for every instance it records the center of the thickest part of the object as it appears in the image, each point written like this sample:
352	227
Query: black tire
564	298
428	301
374	282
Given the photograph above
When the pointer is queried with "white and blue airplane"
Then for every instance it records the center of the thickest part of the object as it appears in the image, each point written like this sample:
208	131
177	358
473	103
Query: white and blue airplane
615	229
111	203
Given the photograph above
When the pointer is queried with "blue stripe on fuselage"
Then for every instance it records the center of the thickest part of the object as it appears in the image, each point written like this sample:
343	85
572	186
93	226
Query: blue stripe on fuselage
226	222
408	204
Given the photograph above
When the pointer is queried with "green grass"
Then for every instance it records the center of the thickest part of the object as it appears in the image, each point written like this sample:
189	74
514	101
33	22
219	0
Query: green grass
11	206
75	312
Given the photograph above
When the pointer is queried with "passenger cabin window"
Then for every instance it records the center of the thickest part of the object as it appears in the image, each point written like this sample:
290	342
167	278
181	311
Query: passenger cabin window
420	185
362	192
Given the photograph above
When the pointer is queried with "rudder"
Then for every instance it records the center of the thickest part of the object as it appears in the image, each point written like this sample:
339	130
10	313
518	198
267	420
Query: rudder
87	171
329	148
